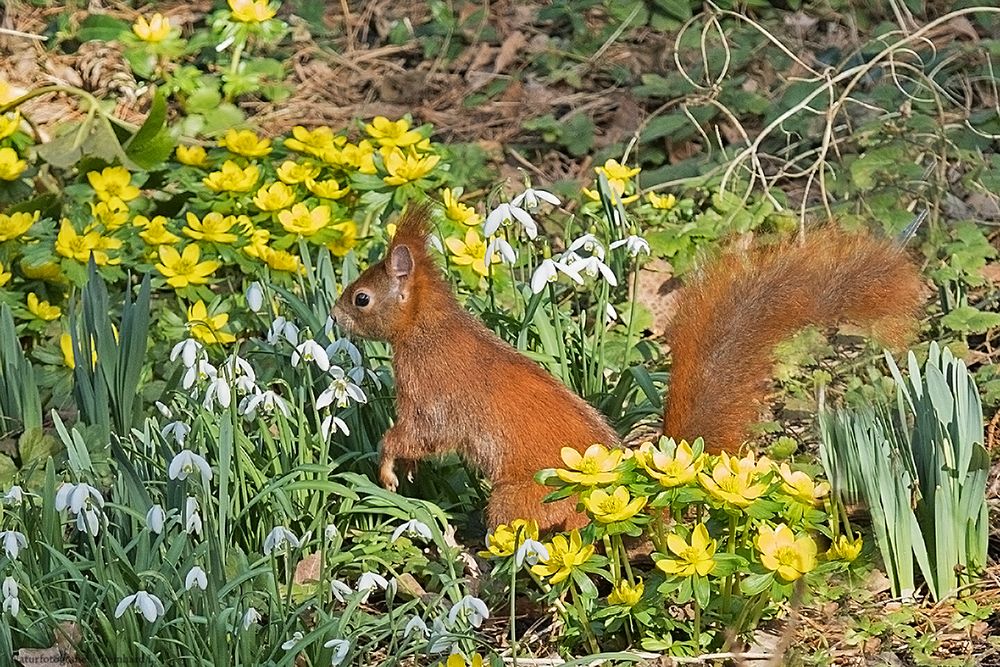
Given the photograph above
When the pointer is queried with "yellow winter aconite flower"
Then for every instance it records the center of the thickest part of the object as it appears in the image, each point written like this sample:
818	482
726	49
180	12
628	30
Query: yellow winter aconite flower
625	594
113	182
274	197
9	122
214	227
280	260
154	232
11	166
184	268
470	252
844	549
734	481
594	467
696	558
328	189
193	156
5	275
781	551
615	171
112	213
297	172
208	328
156	29
231	178
300	220
76	246
245	143
346	239
664	202
407	167
315	142
392	133
458	660
613	507
43	310
16	224
257	243
565	555
682	468
457	211
801	486
251	11
506	538
360	157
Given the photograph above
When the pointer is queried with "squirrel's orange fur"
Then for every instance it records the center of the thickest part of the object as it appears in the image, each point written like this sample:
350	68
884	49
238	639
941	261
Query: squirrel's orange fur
460	388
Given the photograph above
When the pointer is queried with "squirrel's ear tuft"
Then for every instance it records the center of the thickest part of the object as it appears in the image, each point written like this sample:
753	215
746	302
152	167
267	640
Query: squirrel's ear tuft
412	227
400	261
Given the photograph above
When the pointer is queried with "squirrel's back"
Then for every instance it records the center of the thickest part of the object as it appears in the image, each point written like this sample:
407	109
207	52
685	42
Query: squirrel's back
728	321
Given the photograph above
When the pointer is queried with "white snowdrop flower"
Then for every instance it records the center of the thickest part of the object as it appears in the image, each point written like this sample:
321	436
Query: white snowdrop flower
416	624
368	582
250	617
155	518
310	350
587	242
187	350
341	390
265	401
328	327
290	643
144	603
280	539
255	296
85	502
240	373
548	272
331	424
340	648
196	577
177	430
504	214
343	345
412	528
593	267
13	542
633	244
340	590
529	199
531	552
218	391
472	609
186	463
192	517
198	372
14	495
11	602
164	409
282	328
610	314
330	532
498	244
434	242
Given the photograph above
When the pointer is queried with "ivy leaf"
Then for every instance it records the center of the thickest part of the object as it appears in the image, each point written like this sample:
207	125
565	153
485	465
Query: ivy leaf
101	28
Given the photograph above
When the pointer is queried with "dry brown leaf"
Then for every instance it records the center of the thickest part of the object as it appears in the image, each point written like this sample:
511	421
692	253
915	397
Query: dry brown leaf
308	569
509	51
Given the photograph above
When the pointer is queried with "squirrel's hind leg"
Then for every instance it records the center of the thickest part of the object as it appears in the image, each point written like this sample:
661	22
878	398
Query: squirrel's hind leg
523	500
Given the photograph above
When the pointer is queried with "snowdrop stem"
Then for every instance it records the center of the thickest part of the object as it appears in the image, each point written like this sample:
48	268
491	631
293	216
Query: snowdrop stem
560	341
631	310
513	614
584	619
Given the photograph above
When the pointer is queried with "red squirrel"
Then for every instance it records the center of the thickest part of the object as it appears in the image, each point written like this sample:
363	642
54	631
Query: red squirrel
461	388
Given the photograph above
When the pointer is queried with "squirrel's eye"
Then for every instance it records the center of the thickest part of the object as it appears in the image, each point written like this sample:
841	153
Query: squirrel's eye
361	299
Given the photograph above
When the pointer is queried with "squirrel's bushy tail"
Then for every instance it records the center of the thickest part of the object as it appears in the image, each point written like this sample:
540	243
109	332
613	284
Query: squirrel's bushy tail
728	321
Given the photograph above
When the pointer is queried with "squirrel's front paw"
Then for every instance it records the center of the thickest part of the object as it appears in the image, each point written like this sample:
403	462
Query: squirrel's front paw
387	475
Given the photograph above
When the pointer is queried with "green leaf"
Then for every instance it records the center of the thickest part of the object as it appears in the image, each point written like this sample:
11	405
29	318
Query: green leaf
152	143
756	583
7	471
970	320
101	28
35	446
578	134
